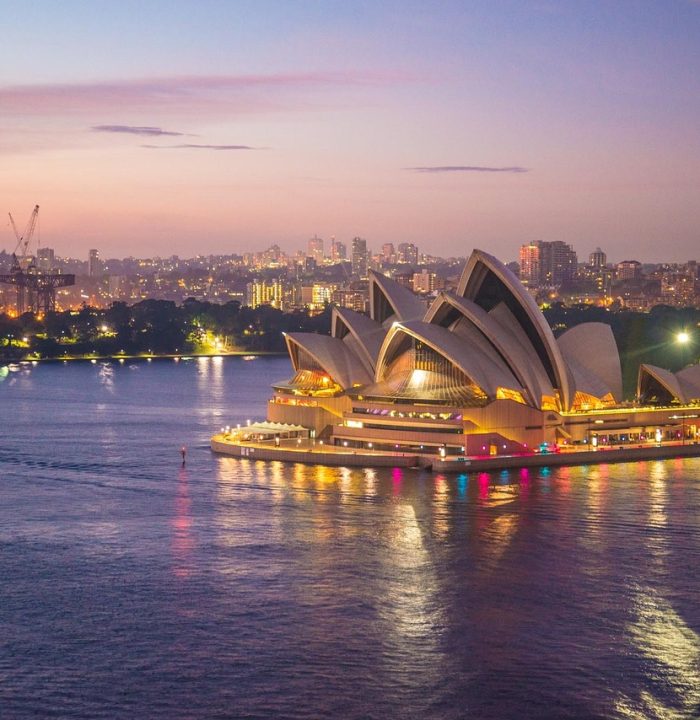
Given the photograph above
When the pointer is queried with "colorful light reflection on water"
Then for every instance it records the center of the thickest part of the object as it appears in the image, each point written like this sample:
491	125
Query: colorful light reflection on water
134	587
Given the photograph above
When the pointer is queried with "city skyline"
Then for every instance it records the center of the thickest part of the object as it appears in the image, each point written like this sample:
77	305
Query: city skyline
175	129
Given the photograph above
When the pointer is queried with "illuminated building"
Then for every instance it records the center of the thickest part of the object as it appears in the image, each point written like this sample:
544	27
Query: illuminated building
388	253
629	270
530	272
547	263
338	250
316	296
598	259
315	249
45	259
423	282
360	257
262	292
408	254
94	264
478	372
355	299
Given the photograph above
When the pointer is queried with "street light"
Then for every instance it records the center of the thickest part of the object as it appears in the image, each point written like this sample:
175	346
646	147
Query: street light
683	339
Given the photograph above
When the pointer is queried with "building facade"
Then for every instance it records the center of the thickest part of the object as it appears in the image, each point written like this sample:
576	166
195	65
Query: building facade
477	372
547	263
360	257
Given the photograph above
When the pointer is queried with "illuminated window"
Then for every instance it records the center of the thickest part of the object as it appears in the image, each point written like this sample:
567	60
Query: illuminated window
549	402
584	401
507	394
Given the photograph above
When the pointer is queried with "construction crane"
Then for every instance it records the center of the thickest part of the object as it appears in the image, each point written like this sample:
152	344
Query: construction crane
36	290
24	239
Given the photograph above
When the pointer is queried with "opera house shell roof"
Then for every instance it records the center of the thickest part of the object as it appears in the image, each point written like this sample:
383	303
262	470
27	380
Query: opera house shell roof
487	341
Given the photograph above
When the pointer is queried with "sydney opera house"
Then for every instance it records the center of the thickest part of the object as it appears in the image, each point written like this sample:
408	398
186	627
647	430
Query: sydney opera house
478	372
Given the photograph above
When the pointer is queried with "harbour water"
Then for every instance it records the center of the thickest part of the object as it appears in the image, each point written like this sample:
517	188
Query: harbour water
131	587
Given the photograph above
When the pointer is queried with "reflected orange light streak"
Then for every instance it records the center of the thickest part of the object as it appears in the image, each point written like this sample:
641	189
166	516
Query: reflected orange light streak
183	542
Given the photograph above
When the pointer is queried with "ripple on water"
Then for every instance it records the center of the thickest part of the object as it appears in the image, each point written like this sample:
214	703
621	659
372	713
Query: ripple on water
134	587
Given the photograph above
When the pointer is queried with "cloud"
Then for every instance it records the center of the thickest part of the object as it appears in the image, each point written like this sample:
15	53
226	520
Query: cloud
467	168
187	146
135	130
183	95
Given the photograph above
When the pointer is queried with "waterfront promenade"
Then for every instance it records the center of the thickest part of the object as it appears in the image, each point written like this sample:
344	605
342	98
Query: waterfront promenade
312	452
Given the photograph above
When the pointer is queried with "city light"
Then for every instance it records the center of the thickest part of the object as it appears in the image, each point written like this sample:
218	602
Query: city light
683	337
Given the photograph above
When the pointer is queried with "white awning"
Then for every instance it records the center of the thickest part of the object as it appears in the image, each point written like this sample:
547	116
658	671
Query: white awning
272	428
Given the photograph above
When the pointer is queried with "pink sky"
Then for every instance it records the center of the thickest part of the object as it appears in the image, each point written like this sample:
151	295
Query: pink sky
531	121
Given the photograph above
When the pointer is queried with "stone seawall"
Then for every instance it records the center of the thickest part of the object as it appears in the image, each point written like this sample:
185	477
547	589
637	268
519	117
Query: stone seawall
585	457
340	457
335	456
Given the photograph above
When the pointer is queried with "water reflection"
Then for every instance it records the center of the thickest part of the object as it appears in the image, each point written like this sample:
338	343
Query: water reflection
182	542
673	649
210	382
370	476
658	496
106	377
404	547
658	633
410	604
442	510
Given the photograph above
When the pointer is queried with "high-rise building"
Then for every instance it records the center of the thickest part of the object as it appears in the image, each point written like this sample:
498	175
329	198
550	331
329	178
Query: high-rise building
530	262
408	254
360	257
388	253
94	264
264	292
315	249
423	282
629	270
350	298
338	250
45	259
563	263
547	263
598	259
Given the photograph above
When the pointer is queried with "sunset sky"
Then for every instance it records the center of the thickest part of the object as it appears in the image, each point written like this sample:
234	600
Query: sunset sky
153	128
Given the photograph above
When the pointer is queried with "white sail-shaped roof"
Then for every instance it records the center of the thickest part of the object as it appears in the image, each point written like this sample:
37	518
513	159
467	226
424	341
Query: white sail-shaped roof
389	301
512	328
665	379
363	335
487	281
473	359
586	381
592	346
497	328
330	354
689	379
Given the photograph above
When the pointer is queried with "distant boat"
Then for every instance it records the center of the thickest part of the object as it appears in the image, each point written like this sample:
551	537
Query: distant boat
250	357
13	367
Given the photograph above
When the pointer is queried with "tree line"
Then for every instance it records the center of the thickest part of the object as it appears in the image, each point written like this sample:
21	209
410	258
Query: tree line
158	327
650	338
164	327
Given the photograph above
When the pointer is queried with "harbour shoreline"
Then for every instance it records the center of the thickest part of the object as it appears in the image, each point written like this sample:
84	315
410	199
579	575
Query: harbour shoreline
335	456
151	356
